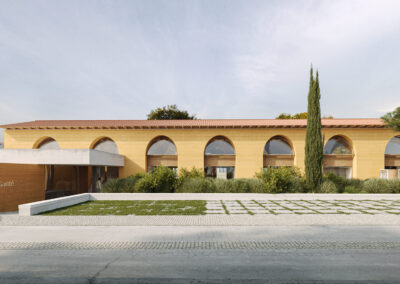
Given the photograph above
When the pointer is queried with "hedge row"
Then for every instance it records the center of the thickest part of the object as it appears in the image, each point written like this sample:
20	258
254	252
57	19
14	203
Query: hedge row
280	180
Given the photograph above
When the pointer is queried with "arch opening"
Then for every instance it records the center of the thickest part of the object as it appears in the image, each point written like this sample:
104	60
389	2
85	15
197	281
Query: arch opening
337	145
103	173
338	157
161	151
106	144
392	159
278	152
48	144
219	158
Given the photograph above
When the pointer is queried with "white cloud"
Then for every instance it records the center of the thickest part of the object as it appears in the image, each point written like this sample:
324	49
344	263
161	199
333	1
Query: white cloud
311	31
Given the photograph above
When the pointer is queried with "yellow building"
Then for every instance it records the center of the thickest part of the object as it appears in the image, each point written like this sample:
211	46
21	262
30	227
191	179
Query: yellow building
354	148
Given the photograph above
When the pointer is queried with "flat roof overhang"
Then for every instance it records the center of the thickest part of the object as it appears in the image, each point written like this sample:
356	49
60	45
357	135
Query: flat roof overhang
73	157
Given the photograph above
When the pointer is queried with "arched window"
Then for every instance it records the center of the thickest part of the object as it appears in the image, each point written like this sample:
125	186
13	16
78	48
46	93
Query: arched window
393	147
337	145
162	152
338	157
48	144
219	158
278	153
162	146
392	157
278	145
106	145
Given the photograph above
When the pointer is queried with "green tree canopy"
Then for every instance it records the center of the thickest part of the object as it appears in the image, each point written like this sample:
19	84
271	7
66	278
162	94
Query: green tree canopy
300	115
392	119
169	112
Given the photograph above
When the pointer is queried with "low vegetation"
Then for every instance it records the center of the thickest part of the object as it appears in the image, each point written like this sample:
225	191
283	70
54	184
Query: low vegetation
134	207
279	180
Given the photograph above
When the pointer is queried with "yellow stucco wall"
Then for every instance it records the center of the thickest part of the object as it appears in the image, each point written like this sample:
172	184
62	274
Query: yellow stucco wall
368	145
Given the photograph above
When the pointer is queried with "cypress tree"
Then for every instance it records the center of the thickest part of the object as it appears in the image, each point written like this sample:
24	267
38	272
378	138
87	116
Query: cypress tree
313	150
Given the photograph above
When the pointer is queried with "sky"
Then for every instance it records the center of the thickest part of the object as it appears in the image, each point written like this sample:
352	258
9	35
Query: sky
216	59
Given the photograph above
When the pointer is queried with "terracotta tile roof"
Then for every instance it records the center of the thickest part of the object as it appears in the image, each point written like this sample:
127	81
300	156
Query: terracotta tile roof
199	123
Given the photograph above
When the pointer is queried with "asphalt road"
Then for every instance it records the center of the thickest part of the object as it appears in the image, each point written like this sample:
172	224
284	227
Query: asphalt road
299	254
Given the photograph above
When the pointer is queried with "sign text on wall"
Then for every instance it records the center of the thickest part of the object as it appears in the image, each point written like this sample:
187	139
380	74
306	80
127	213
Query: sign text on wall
6	184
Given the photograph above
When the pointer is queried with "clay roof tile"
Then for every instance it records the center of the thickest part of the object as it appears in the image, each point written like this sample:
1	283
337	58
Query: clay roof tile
198	123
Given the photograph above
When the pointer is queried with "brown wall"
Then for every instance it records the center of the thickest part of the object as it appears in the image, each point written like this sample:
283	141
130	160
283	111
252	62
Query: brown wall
338	160
165	160
278	160
392	160
219	160
20	184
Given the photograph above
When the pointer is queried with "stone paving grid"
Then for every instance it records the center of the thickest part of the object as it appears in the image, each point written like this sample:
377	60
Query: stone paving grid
300	207
205	245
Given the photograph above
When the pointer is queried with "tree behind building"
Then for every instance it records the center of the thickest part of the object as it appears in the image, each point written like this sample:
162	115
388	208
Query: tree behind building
169	112
392	119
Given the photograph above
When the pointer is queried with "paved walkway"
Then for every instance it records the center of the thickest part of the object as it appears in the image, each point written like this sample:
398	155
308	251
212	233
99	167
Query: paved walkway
300	207
205	220
246	254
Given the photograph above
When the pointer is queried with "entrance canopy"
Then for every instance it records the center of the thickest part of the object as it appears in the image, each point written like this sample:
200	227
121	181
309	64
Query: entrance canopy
76	157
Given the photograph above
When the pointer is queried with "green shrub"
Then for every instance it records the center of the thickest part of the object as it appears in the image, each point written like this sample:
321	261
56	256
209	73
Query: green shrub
350	189
246	185
160	179
185	174
137	176
376	185
280	180
337	180
122	184
196	185
354	182
239	185
299	185
222	185
328	186
394	185
193	173
113	186
210	185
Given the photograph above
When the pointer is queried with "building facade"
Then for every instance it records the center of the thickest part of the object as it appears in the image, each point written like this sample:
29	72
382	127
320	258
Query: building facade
354	148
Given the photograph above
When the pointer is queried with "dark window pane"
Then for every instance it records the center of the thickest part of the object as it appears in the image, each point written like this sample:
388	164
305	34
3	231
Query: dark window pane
393	147
219	147
277	146
162	147
338	146
220	172
107	146
339	171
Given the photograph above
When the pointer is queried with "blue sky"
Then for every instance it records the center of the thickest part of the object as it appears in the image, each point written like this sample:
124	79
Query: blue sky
217	59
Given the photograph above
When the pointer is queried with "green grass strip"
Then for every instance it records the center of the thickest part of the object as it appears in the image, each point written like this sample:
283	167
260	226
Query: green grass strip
244	207
133	207
225	208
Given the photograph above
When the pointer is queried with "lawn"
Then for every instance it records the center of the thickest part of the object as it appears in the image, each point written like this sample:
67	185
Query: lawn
134	207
